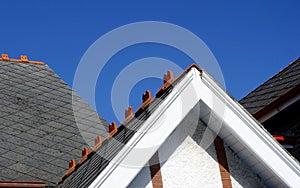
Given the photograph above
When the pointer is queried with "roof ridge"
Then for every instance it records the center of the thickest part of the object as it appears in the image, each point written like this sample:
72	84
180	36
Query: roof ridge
282	70
23	59
168	80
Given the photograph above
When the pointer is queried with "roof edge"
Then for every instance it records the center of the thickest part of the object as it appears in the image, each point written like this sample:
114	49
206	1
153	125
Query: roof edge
282	70
279	101
235	113
21	184
147	99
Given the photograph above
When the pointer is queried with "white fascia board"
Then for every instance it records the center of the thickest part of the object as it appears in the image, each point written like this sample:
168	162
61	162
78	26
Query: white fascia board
249	132
185	95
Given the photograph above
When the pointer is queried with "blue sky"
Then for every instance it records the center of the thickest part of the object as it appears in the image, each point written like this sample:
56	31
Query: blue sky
251	40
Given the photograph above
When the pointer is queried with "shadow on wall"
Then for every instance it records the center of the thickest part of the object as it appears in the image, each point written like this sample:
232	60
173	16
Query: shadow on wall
184	161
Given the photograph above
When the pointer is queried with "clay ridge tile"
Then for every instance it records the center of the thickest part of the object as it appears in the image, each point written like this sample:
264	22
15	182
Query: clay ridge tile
129	115
23	59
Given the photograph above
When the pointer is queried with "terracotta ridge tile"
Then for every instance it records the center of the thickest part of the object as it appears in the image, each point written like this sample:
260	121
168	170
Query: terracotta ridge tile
147	99
129	115
84	156
168	81
23	59
97	143
72	165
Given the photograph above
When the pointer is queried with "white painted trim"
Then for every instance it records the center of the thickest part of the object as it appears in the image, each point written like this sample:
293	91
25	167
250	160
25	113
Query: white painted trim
249	132
236	119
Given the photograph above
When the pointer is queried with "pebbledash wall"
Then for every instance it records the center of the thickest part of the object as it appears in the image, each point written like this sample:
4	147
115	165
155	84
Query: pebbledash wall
185	163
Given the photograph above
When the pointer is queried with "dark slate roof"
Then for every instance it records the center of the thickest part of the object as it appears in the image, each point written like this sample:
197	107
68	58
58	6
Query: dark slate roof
85	173
38	132
270	91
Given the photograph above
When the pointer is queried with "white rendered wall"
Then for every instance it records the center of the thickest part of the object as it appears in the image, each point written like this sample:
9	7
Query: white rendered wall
189	165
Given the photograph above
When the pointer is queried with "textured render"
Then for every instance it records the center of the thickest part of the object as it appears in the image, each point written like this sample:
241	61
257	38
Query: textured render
189	164
185	163
241	174
278	85
38	132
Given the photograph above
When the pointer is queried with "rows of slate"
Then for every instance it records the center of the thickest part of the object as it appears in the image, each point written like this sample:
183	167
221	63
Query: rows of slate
38	132
275	87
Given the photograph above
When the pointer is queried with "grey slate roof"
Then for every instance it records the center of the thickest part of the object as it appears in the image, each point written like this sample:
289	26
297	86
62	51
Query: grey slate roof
87	172
38	132
275	87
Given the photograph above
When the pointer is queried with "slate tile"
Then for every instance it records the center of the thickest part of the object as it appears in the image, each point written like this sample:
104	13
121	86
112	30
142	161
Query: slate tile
65	112
4	162
60	163
67	157
70	116
76	152
14	118
11	74
25	151
2	150
28	178
45	142
50	168
53	115
63	134
39	73
2	114
34	162
51	80
57	93
10	174
17	140
14	156
20	127
61	148
54	152
48	129
48	104
72	143
27	137
45	176
5	136
42	156
54	137
78	138
4	178
30	84
19	167
44	89
88	135
7	146
37	132
35	146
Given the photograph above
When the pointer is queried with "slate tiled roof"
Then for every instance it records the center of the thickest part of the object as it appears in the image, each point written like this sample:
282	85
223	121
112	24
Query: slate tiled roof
270	91
93	163
38	132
